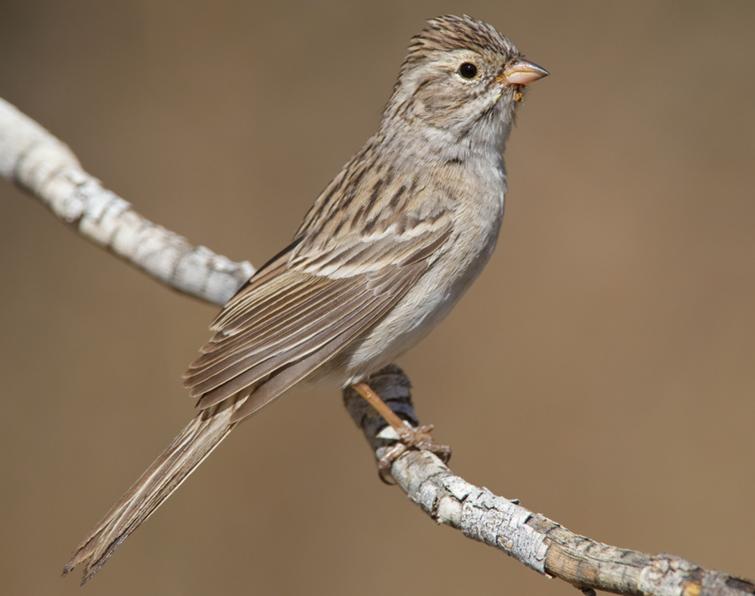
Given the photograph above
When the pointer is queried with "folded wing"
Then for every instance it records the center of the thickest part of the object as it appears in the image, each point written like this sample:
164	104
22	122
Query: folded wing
300	310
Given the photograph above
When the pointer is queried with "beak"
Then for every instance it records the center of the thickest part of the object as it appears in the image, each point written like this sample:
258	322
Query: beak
522	72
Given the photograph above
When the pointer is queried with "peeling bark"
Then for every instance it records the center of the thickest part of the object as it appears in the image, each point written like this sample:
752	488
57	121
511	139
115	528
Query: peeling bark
530	538
46	168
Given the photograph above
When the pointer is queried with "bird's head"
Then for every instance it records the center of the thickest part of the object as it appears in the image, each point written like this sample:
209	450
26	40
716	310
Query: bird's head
460	82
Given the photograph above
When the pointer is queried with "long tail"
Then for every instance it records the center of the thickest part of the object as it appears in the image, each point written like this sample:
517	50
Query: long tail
155	485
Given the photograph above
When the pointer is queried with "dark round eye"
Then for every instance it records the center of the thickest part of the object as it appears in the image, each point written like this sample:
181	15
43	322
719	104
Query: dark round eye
468	70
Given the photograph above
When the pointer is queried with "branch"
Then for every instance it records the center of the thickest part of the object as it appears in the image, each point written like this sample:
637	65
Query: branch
49	171
530	538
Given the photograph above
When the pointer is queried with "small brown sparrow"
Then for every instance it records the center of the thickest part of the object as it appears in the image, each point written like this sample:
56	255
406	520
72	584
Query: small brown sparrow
383	254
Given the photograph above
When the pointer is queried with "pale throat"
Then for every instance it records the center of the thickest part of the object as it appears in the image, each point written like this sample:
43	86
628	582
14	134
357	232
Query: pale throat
483	141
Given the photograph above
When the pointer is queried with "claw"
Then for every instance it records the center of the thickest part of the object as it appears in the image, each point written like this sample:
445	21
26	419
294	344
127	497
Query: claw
390	455
419	438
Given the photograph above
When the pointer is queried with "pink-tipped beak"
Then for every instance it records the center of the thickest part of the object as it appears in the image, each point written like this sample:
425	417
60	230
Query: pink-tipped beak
522	72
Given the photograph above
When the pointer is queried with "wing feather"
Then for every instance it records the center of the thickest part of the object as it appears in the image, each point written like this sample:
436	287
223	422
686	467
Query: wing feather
303	307
291	375
297	308
350	313
255	356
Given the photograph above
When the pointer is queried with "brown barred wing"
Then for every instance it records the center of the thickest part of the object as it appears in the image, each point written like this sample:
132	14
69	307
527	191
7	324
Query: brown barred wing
272	344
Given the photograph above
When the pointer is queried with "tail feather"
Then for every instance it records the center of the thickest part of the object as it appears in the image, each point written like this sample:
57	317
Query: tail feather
205	432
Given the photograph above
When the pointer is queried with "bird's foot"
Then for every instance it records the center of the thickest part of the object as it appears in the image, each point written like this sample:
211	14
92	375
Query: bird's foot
410	437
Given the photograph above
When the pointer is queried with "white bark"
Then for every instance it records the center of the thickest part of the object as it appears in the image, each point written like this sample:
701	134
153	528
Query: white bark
548	547
530	538
48	169
478	513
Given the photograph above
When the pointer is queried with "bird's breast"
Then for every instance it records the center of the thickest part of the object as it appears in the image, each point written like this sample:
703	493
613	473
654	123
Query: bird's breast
477	221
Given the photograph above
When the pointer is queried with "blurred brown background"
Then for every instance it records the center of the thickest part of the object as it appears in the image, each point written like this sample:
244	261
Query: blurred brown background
602	369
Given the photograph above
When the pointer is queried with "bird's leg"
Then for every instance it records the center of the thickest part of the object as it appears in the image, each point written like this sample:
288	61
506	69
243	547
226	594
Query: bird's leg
368	394
408	437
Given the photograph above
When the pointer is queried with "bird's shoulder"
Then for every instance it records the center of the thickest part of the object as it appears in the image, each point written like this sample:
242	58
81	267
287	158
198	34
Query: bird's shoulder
376	213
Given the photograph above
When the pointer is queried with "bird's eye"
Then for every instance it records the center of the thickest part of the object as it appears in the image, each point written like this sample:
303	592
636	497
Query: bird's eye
468	70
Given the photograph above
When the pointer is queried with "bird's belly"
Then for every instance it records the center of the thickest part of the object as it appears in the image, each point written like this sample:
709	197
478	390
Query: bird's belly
425	305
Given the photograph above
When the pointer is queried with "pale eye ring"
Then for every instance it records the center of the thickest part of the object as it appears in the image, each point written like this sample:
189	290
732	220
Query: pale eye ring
467	70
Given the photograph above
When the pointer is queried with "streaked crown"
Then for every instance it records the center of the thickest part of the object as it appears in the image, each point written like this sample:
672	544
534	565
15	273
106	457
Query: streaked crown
451	32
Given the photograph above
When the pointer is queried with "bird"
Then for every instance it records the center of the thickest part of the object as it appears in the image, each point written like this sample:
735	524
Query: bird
383	254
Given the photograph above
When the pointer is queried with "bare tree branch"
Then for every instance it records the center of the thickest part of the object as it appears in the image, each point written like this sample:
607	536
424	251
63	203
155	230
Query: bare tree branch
530	538
49	171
